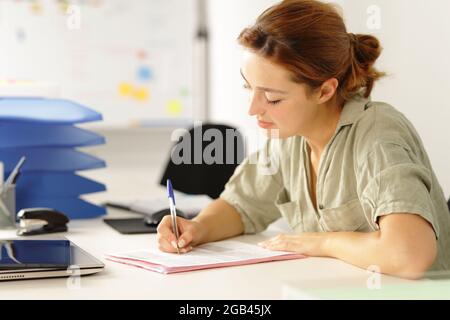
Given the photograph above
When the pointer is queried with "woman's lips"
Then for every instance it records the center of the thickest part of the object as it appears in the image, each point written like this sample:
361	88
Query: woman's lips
265	125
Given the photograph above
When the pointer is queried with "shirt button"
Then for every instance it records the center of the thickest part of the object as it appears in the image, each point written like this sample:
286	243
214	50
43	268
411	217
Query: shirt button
321	207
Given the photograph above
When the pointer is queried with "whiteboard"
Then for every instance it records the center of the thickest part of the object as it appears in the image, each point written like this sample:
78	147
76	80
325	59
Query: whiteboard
133	61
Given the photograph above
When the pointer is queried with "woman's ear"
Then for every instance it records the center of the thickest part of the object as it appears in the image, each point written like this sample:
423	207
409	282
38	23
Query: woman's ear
328	90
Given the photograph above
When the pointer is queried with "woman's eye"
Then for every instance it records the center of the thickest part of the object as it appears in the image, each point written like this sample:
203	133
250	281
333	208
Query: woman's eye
246	86
274	102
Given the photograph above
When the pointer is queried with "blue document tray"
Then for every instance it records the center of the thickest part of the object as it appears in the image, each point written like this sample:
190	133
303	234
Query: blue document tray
49	159
49	111
17	135
55	184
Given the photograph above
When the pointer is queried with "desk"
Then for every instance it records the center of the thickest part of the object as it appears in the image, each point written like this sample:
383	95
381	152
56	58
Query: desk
117	281
128	174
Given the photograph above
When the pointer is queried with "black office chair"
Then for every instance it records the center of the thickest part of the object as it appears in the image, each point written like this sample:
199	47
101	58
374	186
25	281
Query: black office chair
448	203
203	178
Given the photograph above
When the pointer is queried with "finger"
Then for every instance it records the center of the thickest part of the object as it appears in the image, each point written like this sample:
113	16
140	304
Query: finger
165	246
187	233
276	245
268	242
278	238
187	249
165	229
171	241
183	224
185	239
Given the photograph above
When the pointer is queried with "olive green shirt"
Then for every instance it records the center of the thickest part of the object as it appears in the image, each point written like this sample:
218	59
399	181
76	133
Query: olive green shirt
374	165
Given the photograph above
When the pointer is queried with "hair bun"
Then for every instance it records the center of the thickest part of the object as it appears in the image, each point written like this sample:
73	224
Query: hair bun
367	49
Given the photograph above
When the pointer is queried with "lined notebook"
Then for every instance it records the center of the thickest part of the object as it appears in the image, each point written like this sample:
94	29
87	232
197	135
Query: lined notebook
219	254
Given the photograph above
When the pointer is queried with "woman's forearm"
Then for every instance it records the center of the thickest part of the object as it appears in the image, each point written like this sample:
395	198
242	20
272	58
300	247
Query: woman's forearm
221	221
367	250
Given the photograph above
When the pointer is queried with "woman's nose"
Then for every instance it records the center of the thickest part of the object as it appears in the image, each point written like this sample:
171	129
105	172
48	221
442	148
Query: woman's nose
256	107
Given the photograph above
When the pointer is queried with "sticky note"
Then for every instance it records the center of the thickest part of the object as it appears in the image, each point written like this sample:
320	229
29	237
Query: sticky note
184	92
142	54
125	89
141	94
64	6
144	73
36	7
174	107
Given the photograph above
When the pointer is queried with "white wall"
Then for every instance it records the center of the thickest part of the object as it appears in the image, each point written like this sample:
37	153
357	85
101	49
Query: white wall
415	35
228	100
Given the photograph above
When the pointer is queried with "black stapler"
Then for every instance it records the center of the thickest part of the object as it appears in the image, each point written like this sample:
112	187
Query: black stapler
37	221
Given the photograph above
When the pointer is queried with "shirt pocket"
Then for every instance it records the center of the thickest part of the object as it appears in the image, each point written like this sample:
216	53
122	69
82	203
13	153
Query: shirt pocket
348	217
290	210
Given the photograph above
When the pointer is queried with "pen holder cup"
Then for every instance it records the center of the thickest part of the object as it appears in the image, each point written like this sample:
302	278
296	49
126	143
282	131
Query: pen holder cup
8	208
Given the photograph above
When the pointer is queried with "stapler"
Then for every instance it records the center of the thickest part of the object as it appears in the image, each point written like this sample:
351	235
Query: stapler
37	221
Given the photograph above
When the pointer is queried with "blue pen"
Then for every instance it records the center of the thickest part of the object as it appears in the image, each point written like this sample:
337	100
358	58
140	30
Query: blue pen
173	211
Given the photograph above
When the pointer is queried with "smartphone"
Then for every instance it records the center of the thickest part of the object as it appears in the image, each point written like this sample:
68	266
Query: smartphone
25	254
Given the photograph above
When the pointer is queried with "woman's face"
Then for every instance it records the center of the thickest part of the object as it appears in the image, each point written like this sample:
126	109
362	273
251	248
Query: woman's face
281	106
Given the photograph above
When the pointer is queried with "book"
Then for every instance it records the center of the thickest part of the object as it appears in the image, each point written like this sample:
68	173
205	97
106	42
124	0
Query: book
219	254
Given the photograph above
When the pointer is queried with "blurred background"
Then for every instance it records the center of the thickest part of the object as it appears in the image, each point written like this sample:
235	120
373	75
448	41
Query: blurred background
151	66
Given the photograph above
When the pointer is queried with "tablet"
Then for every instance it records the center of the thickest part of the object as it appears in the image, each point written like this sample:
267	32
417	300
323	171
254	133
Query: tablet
26	254
81	264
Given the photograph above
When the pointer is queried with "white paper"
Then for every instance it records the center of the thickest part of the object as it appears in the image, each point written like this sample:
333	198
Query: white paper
226	251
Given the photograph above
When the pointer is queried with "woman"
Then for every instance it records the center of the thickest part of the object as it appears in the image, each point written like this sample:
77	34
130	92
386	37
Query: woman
353	178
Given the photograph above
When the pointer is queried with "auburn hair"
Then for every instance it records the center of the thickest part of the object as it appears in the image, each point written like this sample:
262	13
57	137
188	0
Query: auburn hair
309	38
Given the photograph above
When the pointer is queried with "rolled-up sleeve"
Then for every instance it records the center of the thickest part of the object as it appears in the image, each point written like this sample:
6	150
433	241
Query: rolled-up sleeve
391	179
253	188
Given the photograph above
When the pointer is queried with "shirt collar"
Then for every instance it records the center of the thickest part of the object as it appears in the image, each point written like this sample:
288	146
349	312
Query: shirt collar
353	109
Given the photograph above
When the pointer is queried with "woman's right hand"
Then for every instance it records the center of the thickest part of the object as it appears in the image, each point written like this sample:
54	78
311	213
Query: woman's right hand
191	233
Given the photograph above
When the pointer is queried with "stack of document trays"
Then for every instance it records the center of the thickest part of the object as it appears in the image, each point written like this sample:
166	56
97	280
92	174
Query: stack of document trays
44	131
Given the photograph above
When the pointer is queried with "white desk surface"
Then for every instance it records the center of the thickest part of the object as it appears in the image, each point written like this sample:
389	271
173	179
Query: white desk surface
117	281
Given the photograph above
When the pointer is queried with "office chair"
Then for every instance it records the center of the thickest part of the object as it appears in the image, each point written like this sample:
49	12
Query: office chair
202	178
448	203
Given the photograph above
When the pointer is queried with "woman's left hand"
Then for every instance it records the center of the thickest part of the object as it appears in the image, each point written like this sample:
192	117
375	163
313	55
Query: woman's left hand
310	244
